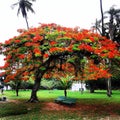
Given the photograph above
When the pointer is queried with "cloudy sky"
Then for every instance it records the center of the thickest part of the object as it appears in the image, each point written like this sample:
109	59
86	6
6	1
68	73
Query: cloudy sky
64	12
71	13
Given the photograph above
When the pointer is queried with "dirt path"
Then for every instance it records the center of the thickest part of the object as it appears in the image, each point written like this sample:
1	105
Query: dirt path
110	110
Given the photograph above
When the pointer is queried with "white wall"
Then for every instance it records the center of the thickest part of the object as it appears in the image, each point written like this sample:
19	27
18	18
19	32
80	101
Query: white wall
77	86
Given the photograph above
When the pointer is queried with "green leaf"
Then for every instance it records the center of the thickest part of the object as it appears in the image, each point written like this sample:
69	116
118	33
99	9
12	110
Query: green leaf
83	60
87	40
38	62
22	50
42	68
45	47
52	36
93	56
71	60
75	47
63	39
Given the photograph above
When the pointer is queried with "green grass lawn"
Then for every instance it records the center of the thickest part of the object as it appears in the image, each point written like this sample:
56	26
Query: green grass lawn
93	106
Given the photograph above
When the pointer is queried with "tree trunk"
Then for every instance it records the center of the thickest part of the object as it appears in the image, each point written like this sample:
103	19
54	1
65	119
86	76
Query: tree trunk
92	90
102	18
81	89
109	91
36	86
65	92
17	88
27	22
2	91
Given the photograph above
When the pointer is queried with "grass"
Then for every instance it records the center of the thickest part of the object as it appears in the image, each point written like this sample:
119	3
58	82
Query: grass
52	94
92	106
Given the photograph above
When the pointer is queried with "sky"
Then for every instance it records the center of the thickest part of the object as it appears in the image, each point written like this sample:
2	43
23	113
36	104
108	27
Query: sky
69	13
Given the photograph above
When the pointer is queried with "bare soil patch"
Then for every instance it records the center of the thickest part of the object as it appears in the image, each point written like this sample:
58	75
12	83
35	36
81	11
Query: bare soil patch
55	106
95	111
111	111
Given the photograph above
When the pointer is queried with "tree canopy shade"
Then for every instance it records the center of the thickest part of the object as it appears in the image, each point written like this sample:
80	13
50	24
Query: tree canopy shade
38	50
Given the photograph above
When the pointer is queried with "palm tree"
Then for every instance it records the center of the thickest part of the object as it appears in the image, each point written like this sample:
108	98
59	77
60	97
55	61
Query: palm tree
102	18
110	29
114	34
24	7
114	24
66	82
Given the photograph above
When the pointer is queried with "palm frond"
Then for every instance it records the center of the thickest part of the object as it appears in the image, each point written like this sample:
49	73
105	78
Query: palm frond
28	6
24	6
13	5
18	12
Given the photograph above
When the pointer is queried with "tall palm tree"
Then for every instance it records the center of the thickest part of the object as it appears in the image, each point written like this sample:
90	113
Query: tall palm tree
114	24
103	34
24	7
102	18
114	34
111	30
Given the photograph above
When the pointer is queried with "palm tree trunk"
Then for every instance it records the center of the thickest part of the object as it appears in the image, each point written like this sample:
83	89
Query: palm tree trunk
27	22
81	89
102	18
109	89
65	92
17	90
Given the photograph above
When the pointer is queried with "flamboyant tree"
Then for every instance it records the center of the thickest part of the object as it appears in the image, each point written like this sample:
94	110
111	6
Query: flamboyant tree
39	50
70	71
